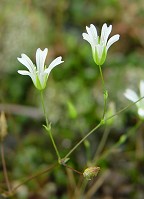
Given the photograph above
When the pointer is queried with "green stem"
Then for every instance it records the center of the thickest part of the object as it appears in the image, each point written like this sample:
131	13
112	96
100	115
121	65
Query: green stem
105	92
101	74
103	121
48	125
95	128
120	141
123	109
101	144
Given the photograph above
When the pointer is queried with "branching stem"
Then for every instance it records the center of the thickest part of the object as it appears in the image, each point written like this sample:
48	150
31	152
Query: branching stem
48	128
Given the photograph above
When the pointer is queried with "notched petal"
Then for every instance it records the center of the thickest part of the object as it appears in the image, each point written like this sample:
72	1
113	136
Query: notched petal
40	59
112	40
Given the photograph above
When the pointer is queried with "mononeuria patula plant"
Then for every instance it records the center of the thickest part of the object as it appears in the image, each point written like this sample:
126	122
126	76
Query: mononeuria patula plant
39	73
134	97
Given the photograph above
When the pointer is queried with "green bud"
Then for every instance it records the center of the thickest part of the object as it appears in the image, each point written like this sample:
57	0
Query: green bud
91	172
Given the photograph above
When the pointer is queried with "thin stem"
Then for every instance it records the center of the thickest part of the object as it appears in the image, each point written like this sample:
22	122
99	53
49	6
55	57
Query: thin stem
79	188
103	121
44	110
101	74
34	176
76	171
106	133
49	128
102	143
123	109
105	93
119	142
4	168
95	128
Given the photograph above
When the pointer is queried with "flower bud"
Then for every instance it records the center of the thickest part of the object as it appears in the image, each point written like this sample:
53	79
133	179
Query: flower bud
3	126
91	172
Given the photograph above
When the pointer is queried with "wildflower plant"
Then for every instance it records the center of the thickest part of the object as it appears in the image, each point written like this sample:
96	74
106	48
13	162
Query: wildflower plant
39	74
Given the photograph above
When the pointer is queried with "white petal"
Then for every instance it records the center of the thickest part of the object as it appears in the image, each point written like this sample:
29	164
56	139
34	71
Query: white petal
41	78
99	50
86	37
26	61
24	72
32	75
54	63
40	59
141	112
89	31
105	32
92	32
142	88
112	40
131	95
91	37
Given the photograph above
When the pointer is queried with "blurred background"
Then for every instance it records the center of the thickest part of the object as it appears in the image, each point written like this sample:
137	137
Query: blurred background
74	97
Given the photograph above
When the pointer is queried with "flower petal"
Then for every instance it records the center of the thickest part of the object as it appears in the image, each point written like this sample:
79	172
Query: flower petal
99	50
112	40
105	32
87	38
142	88
141	112
93	36
26	61
93	31
131	95
24	72
40	59
54	63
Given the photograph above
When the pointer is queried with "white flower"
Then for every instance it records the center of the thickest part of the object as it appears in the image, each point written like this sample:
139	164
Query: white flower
132	96
39	73
100	45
